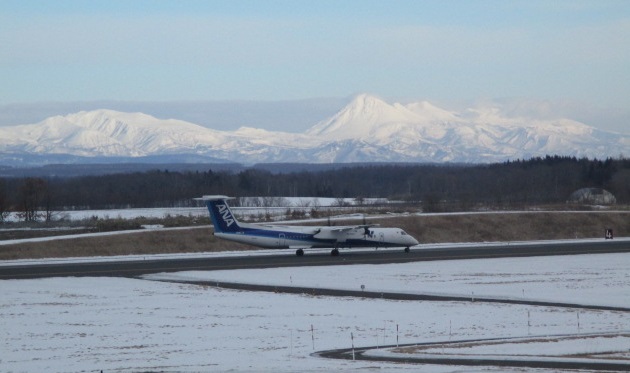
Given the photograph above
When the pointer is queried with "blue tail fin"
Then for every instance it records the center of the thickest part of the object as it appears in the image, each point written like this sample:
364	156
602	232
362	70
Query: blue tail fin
220	214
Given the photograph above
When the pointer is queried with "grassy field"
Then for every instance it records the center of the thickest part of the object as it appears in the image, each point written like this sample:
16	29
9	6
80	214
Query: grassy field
427	229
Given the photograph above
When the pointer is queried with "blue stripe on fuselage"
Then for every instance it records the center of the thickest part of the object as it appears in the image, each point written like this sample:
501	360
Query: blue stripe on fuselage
305	238
308	239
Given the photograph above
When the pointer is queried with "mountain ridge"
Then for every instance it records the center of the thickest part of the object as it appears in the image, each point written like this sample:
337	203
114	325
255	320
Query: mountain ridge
368	129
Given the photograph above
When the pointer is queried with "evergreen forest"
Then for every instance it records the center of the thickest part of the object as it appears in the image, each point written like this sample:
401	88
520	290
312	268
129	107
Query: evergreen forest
452	187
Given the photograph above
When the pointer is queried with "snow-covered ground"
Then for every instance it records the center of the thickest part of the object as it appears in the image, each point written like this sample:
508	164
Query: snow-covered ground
583	279
250	206
118	324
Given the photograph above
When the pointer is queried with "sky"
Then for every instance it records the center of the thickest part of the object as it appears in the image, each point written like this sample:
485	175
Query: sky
564	56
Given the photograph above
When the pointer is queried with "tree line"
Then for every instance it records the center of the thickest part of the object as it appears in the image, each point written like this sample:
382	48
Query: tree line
541	180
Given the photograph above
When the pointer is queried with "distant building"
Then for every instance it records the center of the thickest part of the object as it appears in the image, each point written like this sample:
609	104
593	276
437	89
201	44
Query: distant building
592	196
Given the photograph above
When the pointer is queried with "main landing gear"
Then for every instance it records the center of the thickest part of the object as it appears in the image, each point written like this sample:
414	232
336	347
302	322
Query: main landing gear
300	252
333	252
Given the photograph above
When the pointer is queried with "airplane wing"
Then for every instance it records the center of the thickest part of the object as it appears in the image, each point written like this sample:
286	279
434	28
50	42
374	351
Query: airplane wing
301	228
336	232
352	227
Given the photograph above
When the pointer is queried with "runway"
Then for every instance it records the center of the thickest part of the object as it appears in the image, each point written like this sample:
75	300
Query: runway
287	258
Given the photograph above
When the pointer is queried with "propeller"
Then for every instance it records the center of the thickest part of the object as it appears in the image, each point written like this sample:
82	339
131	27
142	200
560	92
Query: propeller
366	231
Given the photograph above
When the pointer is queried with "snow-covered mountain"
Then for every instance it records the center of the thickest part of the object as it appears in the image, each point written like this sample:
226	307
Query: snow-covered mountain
368	129
424	132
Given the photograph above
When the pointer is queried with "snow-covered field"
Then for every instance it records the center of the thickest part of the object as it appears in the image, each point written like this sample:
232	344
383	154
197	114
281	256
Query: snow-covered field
249	206
118	324
582	279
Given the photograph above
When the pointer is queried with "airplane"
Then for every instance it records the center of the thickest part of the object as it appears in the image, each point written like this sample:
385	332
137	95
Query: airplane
227	227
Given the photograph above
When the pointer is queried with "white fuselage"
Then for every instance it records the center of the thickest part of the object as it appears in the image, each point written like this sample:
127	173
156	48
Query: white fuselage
304	236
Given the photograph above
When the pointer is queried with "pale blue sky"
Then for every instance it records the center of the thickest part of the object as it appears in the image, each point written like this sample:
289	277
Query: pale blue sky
568	52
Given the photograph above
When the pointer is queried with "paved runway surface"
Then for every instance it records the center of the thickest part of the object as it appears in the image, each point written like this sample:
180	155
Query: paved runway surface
288	259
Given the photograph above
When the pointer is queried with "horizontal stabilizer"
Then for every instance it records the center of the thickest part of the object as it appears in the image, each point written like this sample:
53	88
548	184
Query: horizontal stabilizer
213	198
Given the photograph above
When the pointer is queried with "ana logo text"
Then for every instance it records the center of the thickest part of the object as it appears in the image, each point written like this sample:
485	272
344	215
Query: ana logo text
225	215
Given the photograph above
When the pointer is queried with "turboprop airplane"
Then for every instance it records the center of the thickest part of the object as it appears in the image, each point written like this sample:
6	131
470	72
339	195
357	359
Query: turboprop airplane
300	237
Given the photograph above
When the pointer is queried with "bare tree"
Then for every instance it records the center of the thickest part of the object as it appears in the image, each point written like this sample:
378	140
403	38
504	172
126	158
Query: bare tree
32	192
4	203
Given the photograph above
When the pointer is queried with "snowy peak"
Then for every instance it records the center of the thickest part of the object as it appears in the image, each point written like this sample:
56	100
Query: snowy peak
116	124
109	133
360	118
371	119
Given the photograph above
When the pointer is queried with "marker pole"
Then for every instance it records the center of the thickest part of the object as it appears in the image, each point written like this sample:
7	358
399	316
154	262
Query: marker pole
352	338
